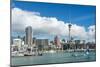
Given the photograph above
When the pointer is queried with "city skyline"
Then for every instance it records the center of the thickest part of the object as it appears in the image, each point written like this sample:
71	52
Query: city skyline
47	24
52	33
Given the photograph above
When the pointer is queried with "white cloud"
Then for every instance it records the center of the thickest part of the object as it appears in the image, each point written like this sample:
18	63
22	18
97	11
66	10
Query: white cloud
47	25
79	31
91	33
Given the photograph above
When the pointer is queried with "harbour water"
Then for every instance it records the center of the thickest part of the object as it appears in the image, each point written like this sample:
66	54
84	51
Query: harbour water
51	58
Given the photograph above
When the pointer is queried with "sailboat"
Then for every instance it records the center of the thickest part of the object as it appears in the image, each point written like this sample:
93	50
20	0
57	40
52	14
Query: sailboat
86	51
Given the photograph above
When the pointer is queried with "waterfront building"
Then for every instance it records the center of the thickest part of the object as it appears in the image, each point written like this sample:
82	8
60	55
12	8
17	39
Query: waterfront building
57	42
80	44
34	41
23	39
17	43
42	43
91	45
28	37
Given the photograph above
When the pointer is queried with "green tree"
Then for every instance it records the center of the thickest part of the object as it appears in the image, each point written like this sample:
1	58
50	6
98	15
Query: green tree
63	40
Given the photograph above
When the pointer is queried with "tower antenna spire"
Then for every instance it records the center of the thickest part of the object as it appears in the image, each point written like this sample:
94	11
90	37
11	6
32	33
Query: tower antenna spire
69	25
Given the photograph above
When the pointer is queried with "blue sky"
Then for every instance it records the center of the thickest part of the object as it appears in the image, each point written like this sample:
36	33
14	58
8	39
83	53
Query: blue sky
81	15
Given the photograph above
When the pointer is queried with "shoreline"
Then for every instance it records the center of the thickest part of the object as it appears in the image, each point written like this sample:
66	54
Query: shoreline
57	51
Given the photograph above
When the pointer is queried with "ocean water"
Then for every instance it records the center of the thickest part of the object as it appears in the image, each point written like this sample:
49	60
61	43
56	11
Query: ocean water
51	58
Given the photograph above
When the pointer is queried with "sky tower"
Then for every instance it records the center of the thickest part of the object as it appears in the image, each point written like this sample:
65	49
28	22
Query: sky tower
69	26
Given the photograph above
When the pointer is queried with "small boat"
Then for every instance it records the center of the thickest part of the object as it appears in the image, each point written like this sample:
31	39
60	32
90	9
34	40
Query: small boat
87	52
40	54
27	54
52	51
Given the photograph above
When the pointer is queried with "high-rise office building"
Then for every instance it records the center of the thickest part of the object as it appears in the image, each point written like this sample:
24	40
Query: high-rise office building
28	37
42	43
57	41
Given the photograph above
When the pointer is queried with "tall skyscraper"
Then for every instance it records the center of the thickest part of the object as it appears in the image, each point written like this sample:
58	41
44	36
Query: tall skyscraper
57	42
28	38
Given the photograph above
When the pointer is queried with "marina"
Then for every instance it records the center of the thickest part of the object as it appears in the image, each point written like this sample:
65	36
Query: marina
49	58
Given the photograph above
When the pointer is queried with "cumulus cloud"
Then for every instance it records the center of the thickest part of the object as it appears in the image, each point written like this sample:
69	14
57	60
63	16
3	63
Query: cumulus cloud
47	25
91	33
